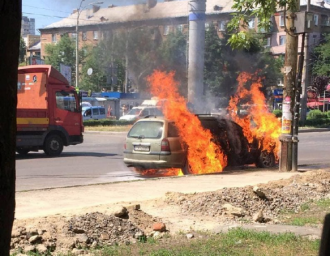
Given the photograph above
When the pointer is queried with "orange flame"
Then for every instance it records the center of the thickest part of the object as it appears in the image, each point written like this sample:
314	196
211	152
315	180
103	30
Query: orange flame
266	127
204	156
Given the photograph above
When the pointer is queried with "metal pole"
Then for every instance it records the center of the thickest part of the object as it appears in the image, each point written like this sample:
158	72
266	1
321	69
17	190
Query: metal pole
290	68
196	52
77	44
306	79
295	139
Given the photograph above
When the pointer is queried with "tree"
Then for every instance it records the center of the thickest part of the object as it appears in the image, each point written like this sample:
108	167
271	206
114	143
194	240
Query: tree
63	52
22	50
223	63
321	60
10	13
172	56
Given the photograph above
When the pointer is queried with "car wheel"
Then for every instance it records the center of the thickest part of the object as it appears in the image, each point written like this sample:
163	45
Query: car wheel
22	151
266	159
186	169
53	145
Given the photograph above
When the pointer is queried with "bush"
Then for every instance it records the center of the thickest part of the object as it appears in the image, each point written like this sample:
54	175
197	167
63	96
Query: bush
328	114
107	122
321	122
277	112
316	114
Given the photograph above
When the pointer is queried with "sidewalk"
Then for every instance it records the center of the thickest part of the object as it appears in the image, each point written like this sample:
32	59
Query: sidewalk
38	203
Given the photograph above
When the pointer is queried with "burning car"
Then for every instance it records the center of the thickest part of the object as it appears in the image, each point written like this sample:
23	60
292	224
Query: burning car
155	143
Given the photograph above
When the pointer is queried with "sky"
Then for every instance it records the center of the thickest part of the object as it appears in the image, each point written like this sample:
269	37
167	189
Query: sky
47	12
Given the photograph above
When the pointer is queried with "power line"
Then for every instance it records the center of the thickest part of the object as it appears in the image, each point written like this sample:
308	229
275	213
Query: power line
44	8
54	16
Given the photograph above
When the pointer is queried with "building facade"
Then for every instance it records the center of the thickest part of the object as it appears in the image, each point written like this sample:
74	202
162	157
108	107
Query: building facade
97	23
28	26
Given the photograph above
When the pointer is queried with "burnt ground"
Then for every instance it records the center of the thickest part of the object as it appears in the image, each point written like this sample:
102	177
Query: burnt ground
264	203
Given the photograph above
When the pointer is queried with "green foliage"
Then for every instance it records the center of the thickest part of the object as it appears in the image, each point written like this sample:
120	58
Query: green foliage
277	112
321	61
262	10
316	114
107	122
63	52
22	50
318	123
328	114
172	56
302	221
223	63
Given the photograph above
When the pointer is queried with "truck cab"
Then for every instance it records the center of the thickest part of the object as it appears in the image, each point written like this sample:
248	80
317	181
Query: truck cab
48	111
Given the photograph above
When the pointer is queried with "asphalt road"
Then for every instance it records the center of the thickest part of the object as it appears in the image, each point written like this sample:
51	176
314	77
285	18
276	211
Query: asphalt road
99	160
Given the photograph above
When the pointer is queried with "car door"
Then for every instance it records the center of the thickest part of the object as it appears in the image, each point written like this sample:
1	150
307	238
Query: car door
95	113
66	111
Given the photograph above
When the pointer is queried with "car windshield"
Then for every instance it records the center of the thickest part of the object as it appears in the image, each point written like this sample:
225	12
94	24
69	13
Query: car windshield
147	129
134	111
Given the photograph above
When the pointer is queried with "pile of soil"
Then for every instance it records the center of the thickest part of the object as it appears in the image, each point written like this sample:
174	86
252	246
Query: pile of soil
261	203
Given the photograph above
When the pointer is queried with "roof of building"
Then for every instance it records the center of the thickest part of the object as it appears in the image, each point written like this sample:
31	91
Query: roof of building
131	13
35	47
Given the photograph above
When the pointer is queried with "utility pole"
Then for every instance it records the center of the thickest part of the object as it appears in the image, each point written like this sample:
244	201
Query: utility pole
196	52
306	79
290	70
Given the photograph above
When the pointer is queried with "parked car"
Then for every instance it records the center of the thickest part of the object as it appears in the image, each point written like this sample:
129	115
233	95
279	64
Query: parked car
154	143
93	113
141	111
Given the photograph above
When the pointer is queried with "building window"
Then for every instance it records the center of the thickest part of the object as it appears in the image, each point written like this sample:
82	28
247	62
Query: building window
267	42
54	39
222	24
251	23
282	40
282	21
95	35
316	19
73	35
166	30
179	28
84	36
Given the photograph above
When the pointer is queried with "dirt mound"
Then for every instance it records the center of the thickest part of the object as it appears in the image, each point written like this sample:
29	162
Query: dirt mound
63	234
267	199
261	203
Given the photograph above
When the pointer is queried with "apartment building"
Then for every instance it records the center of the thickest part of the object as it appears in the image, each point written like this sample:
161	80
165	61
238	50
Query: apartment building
96	23
28	26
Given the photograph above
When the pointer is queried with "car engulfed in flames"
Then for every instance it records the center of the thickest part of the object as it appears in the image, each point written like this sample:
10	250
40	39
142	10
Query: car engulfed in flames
200	144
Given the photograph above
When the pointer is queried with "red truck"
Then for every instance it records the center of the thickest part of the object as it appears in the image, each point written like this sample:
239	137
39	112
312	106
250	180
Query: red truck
48	111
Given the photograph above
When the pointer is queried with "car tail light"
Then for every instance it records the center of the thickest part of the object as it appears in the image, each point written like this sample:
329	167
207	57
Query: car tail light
165	145
125	146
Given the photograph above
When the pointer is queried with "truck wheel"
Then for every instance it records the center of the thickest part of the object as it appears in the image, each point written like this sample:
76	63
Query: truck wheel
22	151
53	145
266	160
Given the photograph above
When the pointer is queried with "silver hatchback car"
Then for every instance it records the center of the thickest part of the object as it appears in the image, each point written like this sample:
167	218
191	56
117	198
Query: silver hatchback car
154	143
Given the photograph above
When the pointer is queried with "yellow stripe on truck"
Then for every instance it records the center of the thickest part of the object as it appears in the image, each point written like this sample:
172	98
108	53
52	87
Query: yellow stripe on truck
32	120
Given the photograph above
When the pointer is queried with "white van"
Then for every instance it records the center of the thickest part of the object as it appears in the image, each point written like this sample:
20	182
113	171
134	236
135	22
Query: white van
139	112
93	113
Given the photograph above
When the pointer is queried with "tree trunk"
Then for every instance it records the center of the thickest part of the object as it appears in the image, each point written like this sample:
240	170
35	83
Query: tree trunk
10	26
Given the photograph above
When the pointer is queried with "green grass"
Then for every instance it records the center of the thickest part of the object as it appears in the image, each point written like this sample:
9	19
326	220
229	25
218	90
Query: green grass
311	213
235	242
302	221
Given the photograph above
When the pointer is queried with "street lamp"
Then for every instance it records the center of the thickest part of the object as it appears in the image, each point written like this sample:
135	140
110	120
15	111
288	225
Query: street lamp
79	10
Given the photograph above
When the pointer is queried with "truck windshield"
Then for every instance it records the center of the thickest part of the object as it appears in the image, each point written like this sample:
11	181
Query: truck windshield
66	101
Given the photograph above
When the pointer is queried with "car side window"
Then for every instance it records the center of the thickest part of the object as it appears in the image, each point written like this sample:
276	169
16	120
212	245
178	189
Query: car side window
172	130
145	112
88	112
95	111
102	111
